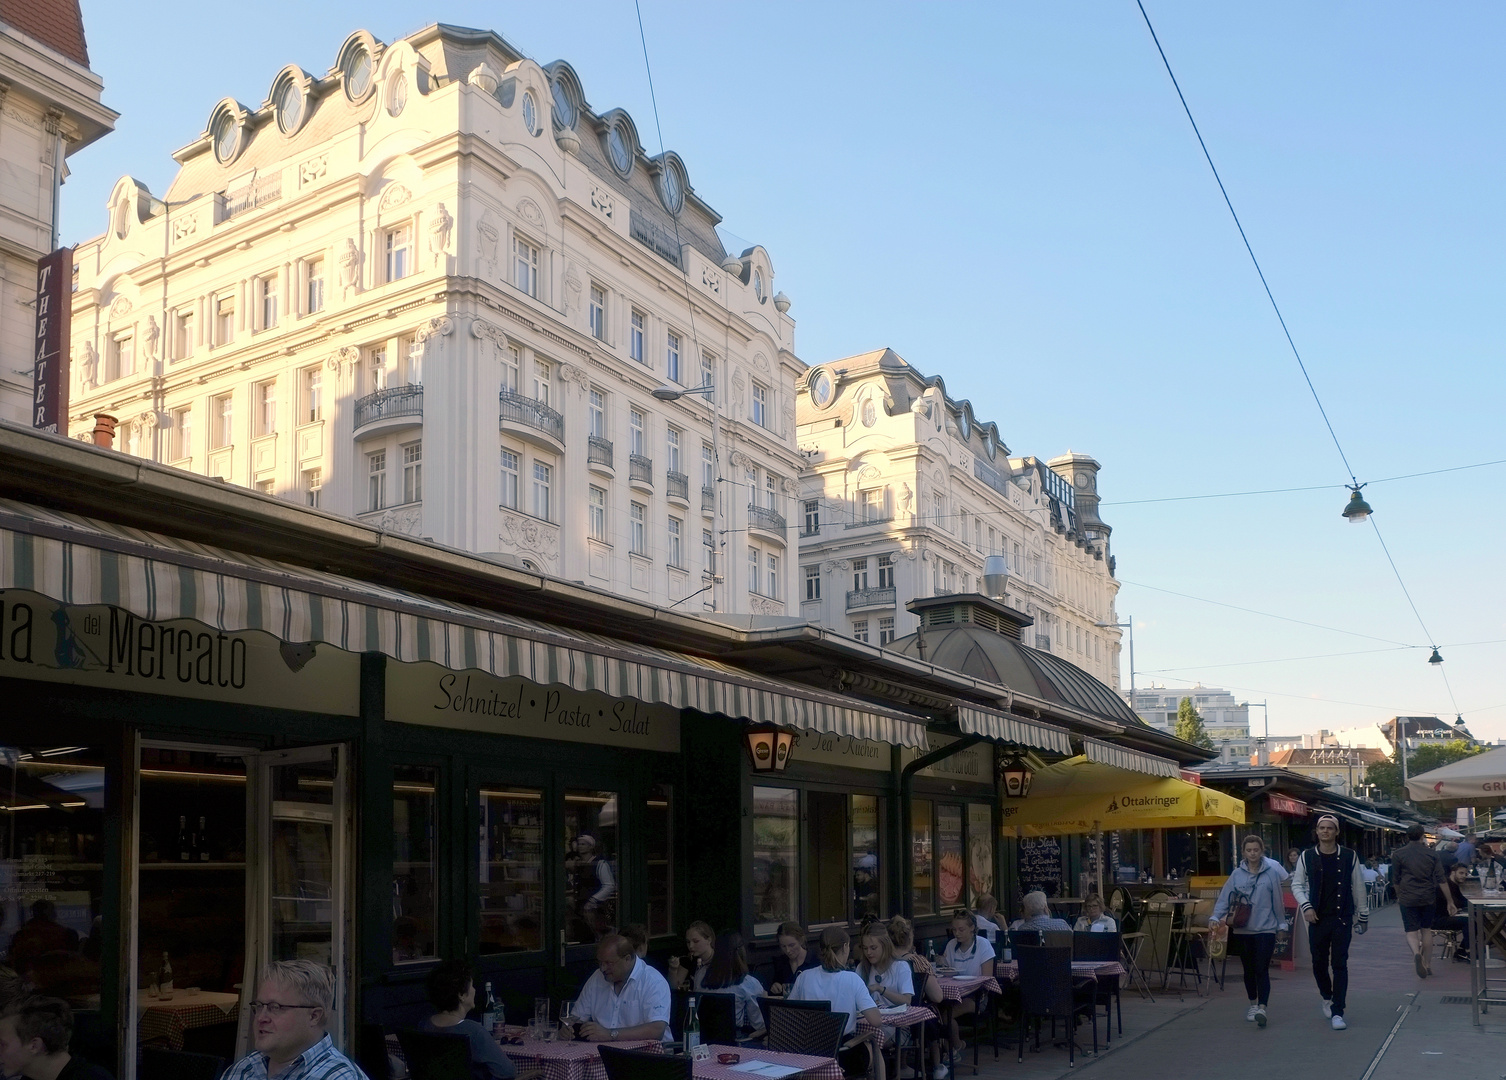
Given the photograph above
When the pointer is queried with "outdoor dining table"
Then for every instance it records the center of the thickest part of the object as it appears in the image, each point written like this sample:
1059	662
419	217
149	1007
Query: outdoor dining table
913	1017
1098	969
574	1060
166	1019
953	989
811	1067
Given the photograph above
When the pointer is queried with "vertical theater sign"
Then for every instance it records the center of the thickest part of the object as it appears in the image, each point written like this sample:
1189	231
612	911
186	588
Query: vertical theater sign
50	348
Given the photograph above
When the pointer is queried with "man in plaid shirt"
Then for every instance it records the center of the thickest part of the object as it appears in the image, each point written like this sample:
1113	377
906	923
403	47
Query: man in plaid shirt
288	1020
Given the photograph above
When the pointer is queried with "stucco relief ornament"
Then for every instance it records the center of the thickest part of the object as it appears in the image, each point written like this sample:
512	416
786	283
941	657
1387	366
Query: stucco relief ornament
184	227
711	279
313	170
350	264
529	211
571	295
394	195
867	473
789	486
89	364
602	202
406	520
153	336
121	308
740	460
527	534
570	373
906	497
440	225
346	355
486	242
484	78
482	330
439	326
759	606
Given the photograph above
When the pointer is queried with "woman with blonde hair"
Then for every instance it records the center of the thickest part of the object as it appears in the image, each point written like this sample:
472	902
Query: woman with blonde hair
846	991
1252	904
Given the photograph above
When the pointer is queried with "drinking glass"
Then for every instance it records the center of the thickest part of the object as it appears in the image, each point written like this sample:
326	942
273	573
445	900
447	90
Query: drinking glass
549	1030
541	1009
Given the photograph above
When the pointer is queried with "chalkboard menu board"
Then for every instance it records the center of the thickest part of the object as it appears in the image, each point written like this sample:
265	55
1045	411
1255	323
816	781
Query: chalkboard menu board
1041	864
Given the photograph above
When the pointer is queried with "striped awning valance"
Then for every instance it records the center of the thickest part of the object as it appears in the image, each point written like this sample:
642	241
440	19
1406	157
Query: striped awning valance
1133	760
76	560
1006	727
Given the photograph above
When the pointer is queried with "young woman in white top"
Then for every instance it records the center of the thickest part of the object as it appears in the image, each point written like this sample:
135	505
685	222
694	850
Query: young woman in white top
833	982
890	981
967	954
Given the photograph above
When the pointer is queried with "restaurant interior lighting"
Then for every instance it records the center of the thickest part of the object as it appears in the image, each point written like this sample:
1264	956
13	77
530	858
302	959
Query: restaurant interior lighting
769	747
1016	775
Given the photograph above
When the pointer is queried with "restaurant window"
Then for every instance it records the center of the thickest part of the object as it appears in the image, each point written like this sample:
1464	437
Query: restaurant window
776	837
415	864
826	872
865	857
51	850
658	843
591	841
922	888
511	871
951	870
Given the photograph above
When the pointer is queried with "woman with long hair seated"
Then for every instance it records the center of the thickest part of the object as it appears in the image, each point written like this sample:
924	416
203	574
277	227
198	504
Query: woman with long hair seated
700	943
452	992
728	974
846	991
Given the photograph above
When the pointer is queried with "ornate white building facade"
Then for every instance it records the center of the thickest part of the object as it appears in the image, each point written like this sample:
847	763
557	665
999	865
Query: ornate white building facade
49	108
905	494
433	288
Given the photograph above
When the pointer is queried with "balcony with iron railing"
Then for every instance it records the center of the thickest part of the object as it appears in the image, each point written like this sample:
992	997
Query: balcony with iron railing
708	499
869	515
394	407
870	598
531	420
641	471
766	520
599	454
677	486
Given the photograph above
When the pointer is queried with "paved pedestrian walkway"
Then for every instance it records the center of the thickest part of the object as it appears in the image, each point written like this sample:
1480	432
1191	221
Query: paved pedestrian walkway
1400	1028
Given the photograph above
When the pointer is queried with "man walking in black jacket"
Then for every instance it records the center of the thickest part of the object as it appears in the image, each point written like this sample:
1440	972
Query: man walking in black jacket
1417	873
1329	887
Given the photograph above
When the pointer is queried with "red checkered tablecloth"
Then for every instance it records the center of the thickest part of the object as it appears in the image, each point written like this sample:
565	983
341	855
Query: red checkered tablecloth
914	1014
1010	972
957	987
566	1060
813	1068
166	1021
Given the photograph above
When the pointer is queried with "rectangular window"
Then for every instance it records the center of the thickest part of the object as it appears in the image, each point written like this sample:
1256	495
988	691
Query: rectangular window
676	544
410	352
224	322
771	567
812	582
313	483
635	336
707	367
413	473
771	492
267	487
659	850
376	369
672	357
415	863
596	413
864	817
525	266
951	870
871	505
760	415
776	857
543	374
269	308
511	869
886	571
512	363
222	416
827	873
183	332
812	516
596	513
708	466
376	480
181	440
314	299
543	476
886	630
637	438
708	553
860	630
598	312
977	534
509	479
399	249
860	573
592	821
922	887
123	362
264	395
638	520
313	394
672	449
752	569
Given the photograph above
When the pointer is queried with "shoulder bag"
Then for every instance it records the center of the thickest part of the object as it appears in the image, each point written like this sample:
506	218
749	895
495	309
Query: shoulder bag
1242	904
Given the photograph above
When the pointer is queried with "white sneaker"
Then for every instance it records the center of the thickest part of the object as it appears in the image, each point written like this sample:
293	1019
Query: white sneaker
1250	1013
1327	1007
1338	1023
1260	1016
939	1073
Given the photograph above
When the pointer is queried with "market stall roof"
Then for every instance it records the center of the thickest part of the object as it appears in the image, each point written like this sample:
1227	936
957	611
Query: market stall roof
78	560
1006	727
1080	795
1481	778
1356	816
1129	760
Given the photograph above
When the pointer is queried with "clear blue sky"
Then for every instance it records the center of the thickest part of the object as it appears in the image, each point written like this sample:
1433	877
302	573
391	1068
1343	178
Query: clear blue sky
1011	197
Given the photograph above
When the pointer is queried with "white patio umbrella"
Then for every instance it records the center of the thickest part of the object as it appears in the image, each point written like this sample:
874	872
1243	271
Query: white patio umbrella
1481	778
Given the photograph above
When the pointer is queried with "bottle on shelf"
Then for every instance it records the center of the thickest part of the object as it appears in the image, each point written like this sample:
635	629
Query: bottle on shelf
185	842
692	1026
202	839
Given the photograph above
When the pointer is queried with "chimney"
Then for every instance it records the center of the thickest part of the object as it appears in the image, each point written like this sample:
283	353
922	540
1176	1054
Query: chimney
104	430
1262	753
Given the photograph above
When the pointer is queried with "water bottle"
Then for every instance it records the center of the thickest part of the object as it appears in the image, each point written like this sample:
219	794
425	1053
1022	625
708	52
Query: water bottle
692	1028
1008	956
165	978
490	1010
931	951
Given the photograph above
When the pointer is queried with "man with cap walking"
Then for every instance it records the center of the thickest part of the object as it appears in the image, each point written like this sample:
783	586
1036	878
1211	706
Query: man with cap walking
1329	886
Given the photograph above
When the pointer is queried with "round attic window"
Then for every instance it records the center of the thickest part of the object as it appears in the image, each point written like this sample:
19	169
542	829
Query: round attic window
530	113
565	112
289	107
619	149
227	137
357	73
821	388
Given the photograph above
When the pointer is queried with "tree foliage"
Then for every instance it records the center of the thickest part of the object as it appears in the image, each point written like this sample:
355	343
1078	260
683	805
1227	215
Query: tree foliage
1190	725
1386	775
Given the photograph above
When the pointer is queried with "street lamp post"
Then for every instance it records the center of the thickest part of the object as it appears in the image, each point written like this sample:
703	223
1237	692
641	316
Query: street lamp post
1131	626
718	563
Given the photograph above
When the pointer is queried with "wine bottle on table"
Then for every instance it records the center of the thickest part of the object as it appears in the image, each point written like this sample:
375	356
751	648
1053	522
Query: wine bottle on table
692	1027
202	837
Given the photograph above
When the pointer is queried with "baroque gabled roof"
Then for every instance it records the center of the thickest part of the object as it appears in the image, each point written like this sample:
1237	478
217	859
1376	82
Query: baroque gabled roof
58	24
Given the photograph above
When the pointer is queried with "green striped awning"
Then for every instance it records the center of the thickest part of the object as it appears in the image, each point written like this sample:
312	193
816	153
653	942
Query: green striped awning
1133	760
1006	727
76	560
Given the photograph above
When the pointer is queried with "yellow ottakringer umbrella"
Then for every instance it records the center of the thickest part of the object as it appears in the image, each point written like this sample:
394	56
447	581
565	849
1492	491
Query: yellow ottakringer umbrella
1082	796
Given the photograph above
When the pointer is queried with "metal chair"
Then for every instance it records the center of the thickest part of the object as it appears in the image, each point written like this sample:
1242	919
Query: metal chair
804	1030
717	1010
1047	993
432	1056
1105	948
623	1064
160	1063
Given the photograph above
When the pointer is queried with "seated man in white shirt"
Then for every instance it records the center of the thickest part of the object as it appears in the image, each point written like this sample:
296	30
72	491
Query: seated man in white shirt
1093	920
624	999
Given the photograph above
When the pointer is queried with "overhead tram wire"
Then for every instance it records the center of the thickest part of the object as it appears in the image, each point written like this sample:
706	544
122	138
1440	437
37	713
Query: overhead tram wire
1355	484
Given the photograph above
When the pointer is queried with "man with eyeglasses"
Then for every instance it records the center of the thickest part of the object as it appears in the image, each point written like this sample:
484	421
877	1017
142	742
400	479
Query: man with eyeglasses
288	1027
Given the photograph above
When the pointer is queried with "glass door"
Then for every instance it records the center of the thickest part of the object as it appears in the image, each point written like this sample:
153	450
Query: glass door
301	905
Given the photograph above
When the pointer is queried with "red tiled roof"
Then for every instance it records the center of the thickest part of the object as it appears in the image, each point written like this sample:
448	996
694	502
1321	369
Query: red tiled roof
57	24
1328	756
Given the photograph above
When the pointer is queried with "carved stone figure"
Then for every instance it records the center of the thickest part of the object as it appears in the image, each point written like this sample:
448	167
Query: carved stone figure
350	264
570	297
486	243
906	497
440	224
89	365
153	336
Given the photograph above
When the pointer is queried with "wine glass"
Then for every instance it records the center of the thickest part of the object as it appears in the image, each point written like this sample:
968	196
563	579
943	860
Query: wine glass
567	1018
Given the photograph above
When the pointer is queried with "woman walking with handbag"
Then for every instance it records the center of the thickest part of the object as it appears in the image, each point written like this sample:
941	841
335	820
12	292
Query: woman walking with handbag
1251	905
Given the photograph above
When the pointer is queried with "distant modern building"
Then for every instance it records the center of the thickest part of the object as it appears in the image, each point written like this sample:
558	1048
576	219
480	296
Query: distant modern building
905	493
1226	720
50	108
434	289
1340	767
